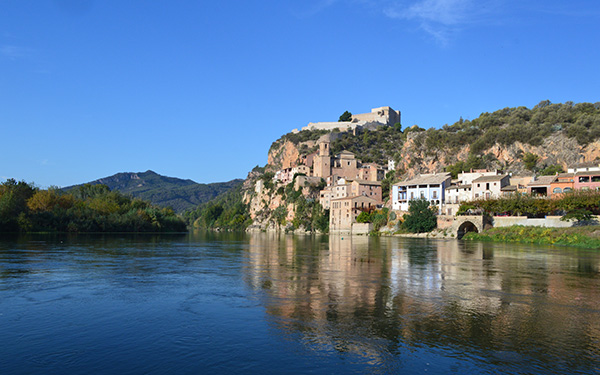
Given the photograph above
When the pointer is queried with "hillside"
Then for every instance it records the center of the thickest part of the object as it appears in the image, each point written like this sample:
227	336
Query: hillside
179	194
559	134
554	136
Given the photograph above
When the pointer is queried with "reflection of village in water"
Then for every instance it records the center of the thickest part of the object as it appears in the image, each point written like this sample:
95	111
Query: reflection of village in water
378	297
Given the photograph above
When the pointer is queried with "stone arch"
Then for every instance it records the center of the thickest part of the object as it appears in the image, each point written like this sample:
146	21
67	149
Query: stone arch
466	227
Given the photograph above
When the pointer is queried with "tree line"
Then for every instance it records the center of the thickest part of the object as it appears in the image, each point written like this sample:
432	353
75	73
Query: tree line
87	208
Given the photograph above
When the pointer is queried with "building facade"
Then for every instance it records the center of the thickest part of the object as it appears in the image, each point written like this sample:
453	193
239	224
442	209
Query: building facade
488	187
344	211
431	187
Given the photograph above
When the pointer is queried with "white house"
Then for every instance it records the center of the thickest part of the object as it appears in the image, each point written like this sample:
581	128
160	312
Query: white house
426	186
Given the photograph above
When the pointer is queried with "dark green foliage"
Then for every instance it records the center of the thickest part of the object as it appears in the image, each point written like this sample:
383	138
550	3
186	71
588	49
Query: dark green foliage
386	184
578	215
345	117
509	125
580	236
530	160
420	217
280	215
527	205
374	146
551	170
89	208
162	191
309	214
472	162
13	202
301	136
227	211
379	218
363	217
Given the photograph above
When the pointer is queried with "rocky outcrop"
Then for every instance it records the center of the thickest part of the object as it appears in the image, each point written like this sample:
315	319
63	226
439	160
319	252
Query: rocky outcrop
284	156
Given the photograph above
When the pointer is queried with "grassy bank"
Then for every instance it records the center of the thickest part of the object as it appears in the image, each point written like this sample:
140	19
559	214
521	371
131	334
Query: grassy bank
586	236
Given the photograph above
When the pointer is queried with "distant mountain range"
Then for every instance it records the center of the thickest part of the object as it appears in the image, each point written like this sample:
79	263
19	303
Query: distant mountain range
163	191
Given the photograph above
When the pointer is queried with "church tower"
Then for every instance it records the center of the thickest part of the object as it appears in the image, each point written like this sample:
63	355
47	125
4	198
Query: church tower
322	163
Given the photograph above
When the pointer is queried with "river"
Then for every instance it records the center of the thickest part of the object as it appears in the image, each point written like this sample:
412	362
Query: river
271	304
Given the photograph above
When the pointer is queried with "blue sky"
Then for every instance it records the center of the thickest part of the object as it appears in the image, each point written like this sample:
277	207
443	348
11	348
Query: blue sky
200	89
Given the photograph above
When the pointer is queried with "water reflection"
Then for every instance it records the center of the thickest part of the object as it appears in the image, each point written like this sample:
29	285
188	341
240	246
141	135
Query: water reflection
527	309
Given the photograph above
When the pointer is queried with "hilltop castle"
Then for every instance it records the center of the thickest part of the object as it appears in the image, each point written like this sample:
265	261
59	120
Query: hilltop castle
377	117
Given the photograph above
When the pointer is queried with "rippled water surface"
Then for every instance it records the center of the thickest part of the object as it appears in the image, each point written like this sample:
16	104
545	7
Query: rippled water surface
210	303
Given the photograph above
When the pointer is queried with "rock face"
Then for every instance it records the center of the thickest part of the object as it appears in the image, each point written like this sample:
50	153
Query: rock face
415	159
556	149
284	156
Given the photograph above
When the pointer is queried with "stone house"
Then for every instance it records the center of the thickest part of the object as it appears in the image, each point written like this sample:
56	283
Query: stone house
487	187
371	172
344	211
455	195
370	189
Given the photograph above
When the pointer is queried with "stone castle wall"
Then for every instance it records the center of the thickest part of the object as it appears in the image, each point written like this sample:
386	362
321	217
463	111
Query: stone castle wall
377	117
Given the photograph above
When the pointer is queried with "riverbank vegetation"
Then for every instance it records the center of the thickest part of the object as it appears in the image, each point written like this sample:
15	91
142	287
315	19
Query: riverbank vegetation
583	236
227	212
87	208
534	206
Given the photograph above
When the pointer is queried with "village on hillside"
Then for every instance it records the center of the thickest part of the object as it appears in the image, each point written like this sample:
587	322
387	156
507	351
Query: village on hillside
353	187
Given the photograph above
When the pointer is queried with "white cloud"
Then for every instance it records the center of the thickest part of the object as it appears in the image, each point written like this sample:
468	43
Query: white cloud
441	18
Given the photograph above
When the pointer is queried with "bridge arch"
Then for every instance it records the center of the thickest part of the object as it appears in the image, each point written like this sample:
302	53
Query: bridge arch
466	227
470	223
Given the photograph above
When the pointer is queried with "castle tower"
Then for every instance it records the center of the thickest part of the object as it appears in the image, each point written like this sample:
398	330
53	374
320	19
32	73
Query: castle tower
322	163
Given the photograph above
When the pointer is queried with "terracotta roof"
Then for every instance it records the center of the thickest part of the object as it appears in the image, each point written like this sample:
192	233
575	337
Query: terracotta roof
543	180
509	188
566	174
496	177
426	179
366	182
355	197
589	173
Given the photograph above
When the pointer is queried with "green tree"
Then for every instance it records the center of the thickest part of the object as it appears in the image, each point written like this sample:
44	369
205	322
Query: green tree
420	217
363	217
530	160
280	215
346	116
552	170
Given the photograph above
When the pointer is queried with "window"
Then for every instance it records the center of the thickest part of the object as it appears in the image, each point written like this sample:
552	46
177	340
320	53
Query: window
584	178
585	188
435	194
595	178
557	190
567	189
422	195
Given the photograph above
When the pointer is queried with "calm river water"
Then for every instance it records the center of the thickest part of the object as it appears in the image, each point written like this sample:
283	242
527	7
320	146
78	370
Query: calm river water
268	304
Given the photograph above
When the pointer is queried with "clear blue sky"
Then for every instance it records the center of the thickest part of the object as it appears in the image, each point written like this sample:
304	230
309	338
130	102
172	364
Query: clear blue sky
200	89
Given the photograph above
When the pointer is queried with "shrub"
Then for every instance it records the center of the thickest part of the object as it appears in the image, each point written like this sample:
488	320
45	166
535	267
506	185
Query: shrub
420	217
